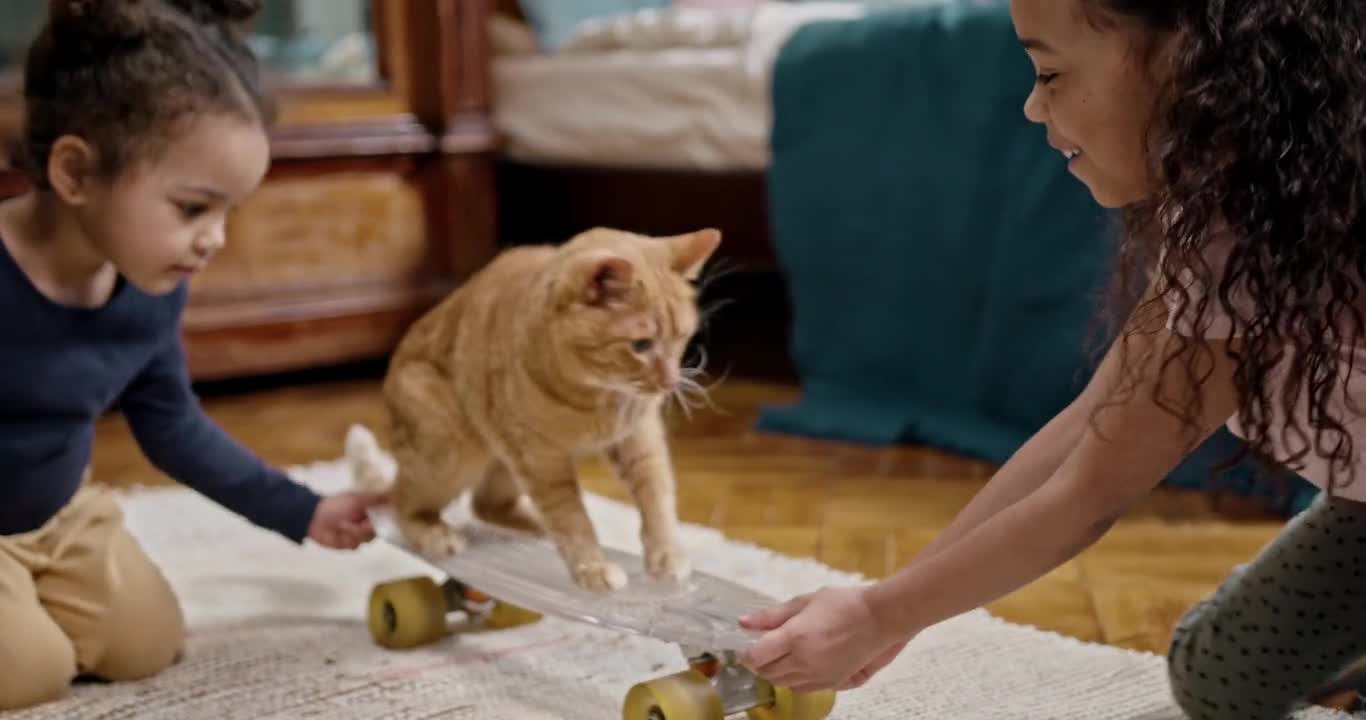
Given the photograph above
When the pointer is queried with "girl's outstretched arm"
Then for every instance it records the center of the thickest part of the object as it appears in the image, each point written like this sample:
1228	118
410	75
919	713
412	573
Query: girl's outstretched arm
1031	464
1039	458
825	639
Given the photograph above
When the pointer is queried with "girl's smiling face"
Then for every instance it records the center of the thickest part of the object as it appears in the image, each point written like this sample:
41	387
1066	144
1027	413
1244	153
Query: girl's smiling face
1096	92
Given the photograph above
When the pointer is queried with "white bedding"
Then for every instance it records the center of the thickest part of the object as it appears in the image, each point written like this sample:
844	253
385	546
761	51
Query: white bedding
672	89
683	108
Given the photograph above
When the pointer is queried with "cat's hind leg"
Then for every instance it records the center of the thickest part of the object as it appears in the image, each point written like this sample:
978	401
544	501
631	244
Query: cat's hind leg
425	485
436	461
499	499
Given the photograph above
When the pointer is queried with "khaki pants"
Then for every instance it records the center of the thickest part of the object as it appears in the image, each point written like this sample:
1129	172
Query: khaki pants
79	597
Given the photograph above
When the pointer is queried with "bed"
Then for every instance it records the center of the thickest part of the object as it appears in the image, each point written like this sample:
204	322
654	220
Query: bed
685	108
656	120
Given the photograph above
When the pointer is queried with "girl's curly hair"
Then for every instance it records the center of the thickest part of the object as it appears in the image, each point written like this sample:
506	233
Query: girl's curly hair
1260	143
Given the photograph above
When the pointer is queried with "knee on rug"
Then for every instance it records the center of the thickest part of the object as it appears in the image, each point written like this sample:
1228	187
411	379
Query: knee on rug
137	659
1213	680
140	642
121	614
1206	693
38	669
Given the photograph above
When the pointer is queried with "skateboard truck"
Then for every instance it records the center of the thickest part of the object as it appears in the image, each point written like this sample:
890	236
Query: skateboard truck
416	611
715	686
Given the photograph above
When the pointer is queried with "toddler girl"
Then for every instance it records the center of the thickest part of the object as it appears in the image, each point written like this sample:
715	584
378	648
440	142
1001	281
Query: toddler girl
145	123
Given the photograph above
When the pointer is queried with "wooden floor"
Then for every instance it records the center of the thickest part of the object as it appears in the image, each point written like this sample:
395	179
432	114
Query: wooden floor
861	509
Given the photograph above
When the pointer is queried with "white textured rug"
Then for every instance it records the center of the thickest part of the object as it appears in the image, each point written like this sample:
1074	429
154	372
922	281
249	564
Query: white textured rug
278	631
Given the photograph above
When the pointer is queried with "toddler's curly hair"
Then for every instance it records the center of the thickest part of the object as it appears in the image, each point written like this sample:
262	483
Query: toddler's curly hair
121	74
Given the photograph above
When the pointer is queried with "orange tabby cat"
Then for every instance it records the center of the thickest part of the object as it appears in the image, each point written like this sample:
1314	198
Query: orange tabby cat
548	354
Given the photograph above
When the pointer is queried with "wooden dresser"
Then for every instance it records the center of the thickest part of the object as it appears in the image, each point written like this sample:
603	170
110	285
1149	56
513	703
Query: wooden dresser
380	198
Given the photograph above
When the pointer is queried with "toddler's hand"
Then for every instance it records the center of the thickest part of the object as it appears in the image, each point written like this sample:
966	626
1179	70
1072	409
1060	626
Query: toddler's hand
341	521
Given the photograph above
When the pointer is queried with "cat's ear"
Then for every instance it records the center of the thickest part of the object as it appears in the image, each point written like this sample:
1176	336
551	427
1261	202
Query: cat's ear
597	278
688	253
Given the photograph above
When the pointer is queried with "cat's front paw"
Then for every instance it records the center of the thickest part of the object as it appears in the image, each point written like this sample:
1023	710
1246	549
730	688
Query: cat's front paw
667	562
599	576
435	540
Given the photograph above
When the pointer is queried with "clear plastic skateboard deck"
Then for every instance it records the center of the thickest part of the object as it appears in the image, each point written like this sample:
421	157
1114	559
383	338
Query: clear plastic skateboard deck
505	578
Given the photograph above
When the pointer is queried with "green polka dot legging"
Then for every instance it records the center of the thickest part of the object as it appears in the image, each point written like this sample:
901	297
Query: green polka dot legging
1281	625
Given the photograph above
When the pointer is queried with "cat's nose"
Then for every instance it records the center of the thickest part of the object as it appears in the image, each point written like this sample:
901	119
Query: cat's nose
662	384
666	378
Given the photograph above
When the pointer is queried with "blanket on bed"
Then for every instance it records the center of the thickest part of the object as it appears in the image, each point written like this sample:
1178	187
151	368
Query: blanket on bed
758	31
942	263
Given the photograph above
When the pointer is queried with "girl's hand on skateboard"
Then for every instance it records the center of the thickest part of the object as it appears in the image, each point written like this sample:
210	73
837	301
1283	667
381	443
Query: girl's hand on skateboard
828	640
341	521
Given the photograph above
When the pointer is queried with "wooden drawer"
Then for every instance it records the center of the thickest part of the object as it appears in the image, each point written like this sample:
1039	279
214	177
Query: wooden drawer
320	233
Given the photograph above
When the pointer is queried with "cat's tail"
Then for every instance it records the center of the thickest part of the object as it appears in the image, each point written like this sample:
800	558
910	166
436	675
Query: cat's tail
372	470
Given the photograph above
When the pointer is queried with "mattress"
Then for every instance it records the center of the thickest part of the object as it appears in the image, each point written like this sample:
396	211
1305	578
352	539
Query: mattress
693	108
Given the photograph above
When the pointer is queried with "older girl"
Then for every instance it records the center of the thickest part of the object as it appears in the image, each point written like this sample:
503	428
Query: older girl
1233	136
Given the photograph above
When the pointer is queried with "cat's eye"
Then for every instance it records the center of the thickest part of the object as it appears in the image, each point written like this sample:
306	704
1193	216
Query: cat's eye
642	345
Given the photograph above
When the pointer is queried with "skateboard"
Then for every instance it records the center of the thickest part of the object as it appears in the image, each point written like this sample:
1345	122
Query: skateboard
506	578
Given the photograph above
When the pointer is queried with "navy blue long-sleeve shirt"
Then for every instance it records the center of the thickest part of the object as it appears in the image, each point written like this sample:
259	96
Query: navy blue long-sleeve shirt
61	368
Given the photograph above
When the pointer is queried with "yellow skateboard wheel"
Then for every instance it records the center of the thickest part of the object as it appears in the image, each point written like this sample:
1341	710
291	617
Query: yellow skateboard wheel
407	613
687	695
789	705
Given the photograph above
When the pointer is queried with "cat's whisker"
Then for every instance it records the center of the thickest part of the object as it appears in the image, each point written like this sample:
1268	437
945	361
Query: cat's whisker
692	394
676	395
691	385
715	270
705	312
718	269
685	402
692	373
689	394
697	365
688	388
